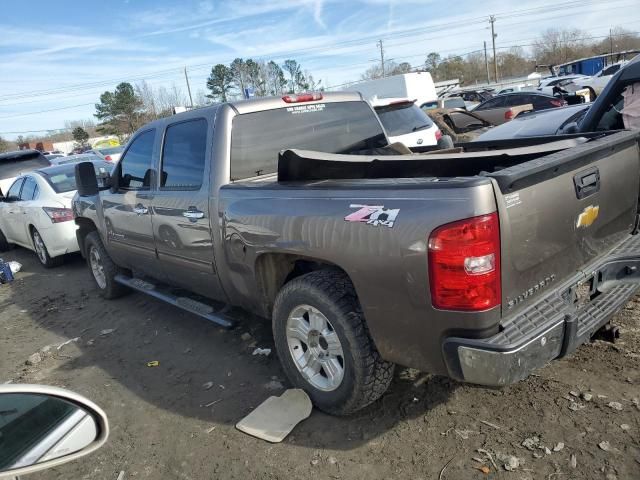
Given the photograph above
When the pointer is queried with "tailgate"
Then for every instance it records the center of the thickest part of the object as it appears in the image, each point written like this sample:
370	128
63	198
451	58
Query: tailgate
560	212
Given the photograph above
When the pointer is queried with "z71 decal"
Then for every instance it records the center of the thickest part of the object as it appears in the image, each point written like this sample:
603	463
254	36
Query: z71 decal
374	215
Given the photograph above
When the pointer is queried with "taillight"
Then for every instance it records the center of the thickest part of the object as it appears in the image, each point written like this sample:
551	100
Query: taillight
464	264
59	215
508	115
438	135
557	103
108	158
303	97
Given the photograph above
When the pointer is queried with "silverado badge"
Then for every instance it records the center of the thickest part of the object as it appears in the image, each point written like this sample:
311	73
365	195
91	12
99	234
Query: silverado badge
588	216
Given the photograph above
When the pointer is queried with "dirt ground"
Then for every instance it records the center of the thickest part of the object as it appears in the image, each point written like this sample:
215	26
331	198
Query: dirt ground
162	428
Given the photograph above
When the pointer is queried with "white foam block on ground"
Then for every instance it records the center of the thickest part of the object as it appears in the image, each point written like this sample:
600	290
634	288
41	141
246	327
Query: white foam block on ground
274	419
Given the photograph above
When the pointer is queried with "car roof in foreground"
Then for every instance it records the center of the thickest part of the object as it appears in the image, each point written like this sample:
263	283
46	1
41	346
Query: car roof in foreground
542	122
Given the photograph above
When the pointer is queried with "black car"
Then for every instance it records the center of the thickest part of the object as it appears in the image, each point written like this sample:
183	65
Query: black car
540	101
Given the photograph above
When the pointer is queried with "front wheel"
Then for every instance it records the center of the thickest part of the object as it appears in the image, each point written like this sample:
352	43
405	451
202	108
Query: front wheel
103	269
324	344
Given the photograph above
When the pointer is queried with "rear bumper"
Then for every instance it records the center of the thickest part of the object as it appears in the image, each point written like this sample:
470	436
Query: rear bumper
553	327
60	238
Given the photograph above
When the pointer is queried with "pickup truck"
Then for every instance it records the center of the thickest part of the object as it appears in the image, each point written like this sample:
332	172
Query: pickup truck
480	265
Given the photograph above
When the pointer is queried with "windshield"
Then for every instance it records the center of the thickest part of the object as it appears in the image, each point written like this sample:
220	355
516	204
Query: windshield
257	138
403	118
63	178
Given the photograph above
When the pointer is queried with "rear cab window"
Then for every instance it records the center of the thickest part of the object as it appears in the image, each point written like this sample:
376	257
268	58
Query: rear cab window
338	127
403	118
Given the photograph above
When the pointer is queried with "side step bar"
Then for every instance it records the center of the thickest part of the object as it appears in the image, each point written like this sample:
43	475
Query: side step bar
185	303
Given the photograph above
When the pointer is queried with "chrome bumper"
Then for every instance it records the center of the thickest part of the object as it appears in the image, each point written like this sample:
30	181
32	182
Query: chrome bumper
552	328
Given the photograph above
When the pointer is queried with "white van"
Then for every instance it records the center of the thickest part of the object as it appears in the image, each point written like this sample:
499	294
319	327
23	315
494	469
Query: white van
417	86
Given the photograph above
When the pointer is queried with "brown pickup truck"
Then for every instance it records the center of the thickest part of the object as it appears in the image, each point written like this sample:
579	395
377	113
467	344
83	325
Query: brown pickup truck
481	264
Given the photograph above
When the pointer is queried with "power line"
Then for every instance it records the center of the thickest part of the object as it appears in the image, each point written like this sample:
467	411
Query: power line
401	33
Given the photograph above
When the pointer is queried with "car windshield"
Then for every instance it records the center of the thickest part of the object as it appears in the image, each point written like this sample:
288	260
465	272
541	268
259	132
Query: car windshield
403	118
63	178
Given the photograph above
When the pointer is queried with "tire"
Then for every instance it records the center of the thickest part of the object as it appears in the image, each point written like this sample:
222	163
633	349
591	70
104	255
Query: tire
4	245
365	375
99	261
41	251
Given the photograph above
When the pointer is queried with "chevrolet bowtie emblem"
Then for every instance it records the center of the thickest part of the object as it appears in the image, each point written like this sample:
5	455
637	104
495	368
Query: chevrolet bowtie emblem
588	216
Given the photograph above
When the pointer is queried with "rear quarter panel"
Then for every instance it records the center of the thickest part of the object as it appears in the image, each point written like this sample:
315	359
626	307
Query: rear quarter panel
388	265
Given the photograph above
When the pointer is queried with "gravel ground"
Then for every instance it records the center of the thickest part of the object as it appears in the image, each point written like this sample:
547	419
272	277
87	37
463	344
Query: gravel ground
425	427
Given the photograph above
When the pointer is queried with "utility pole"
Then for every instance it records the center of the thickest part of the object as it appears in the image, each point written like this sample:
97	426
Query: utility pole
186	77
611	42
486	62
492	19
379	44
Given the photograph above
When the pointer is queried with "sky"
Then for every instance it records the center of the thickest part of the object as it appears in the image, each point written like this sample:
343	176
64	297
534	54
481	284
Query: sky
56	58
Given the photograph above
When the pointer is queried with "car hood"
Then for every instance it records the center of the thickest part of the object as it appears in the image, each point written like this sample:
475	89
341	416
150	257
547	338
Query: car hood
542	122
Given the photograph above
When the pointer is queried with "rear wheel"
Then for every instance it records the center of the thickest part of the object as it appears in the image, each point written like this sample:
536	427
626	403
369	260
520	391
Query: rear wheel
103	269
324	344
41	251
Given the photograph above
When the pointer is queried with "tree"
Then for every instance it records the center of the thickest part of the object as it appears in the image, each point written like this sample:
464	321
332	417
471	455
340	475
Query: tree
80	136
220	82
432	62
277	83
558	46
239	74
4	145
120	111
295	74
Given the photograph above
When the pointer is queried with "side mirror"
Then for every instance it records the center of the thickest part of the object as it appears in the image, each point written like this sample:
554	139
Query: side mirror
42	427
569	128
86	181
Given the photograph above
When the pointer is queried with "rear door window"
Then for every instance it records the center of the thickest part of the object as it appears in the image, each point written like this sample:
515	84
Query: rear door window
28	189
136	165
14	190
183	155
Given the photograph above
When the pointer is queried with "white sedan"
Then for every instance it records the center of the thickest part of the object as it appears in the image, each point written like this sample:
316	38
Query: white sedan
36	212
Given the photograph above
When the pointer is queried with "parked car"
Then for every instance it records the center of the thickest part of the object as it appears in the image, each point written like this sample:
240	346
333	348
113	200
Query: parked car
597	83
111	154
14	163
602	115
404	122
550	85
461	125
471	264
36	212
534	124
505	107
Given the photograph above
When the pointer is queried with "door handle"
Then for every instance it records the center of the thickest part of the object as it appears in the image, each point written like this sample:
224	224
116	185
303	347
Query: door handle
192	213
587	182
140	210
